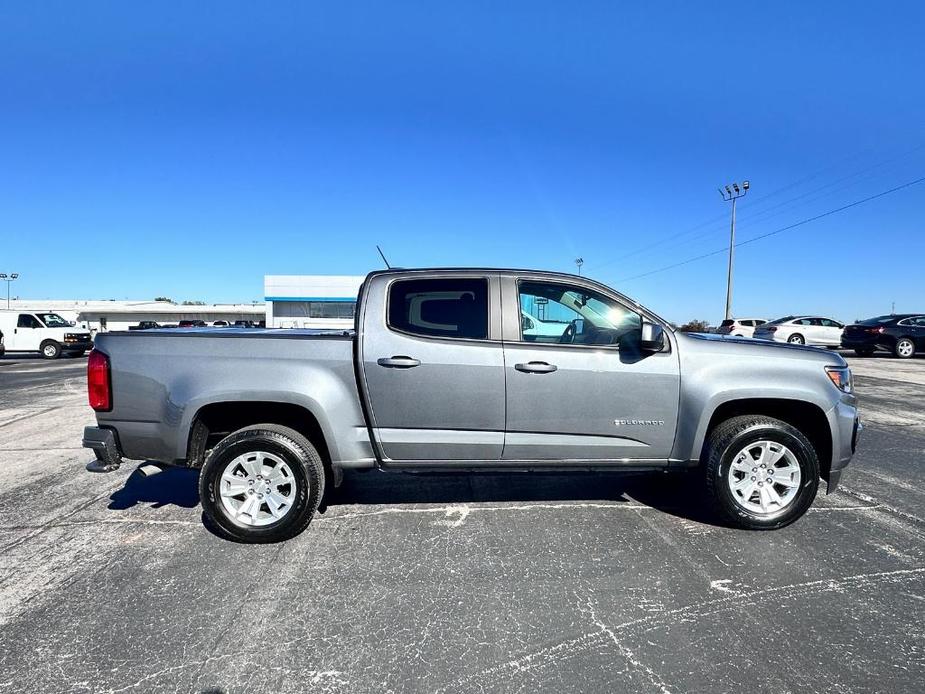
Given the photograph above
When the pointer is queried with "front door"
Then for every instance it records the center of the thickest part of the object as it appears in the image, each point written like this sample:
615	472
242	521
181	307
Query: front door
434	368
25	337
584	391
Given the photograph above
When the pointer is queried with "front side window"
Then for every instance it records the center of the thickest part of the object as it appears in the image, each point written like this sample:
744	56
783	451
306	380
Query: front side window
27	320
445	307
564	314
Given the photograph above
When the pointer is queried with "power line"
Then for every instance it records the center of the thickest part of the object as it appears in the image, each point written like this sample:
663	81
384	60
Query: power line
759	209
778	231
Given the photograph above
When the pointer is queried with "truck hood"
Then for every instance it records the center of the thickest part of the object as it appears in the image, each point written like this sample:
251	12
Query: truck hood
744	346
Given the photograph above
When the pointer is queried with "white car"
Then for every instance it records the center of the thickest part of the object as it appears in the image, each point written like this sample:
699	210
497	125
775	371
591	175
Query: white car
740	327
42	331
802	330
533	327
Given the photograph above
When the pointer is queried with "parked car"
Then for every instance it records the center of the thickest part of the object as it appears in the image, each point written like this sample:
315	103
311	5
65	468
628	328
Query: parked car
44	332
739	327
220	323
533	327
439	375
802	330
902	334
145	325
245	324
2	345
192	324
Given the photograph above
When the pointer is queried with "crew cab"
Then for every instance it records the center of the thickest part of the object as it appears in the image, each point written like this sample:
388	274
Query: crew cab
42	331
443	372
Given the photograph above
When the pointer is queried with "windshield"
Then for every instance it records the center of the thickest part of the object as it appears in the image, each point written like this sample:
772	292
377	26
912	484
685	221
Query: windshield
726	323
879	320
53	320
779	320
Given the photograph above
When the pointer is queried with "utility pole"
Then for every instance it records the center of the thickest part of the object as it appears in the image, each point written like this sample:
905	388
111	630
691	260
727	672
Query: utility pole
579	262
8	279
731	196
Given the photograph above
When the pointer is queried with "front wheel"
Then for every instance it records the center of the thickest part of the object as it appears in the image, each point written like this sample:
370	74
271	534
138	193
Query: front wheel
50	349
262	484
905	348
761	473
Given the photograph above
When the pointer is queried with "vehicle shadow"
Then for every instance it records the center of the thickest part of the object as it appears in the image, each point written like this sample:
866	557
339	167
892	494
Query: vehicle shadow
175	486
679	494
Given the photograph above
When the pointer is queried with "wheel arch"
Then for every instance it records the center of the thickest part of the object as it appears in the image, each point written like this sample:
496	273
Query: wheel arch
808	417
215	420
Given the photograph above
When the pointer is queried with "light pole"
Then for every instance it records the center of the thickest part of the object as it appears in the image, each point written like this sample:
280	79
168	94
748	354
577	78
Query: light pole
579	262
8	279
732	195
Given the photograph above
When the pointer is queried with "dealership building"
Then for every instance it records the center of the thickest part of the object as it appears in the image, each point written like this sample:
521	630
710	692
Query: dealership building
311	301
291	301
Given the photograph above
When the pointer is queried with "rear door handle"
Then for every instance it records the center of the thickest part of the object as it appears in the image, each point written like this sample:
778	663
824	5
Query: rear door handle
398	362
536	367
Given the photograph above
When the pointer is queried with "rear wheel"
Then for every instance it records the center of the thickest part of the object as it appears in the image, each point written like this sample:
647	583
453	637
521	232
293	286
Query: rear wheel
796	339
50	349
262	484
761	473
905	348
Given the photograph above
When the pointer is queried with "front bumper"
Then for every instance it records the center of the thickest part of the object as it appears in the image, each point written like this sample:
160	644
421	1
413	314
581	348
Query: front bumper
106	447
846	427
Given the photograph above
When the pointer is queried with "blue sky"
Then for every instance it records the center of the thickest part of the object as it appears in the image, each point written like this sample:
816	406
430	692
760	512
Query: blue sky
187	149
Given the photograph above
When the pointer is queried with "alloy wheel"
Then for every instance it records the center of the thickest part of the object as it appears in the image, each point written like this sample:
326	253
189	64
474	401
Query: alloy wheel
764	477
257	488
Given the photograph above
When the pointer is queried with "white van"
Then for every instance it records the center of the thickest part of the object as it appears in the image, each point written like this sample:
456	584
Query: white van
42	331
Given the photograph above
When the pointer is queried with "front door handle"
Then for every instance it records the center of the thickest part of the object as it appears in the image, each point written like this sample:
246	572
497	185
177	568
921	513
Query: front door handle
536	367
398	362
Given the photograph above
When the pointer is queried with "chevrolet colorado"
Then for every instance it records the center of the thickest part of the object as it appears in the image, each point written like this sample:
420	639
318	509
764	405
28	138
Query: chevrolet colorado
441	373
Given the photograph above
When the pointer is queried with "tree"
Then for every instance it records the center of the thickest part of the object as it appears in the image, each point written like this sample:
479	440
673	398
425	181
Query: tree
695	326
163	298
194	303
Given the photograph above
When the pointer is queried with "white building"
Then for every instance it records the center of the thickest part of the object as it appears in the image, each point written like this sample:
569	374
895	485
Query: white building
119	315
311	301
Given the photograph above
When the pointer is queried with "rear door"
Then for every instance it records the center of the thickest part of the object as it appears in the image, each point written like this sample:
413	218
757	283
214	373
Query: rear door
587	393
919	329
831	332
433	366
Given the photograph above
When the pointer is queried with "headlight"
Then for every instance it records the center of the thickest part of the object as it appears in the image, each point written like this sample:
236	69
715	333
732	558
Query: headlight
841	377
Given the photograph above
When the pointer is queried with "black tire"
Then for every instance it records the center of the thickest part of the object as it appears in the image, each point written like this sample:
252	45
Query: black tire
866	352
723	444
302	458
796	339
904	344
50	349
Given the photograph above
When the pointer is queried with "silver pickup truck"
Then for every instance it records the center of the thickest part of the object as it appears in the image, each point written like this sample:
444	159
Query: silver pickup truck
472	369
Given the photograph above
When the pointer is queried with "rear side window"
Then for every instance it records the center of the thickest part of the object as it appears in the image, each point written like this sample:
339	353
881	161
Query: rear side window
456	308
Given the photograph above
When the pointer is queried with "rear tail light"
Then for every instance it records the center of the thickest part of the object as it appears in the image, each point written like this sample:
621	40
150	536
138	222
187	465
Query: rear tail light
771	329
99	382
876	330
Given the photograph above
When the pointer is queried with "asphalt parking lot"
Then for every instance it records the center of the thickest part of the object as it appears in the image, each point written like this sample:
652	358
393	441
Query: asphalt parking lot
490	583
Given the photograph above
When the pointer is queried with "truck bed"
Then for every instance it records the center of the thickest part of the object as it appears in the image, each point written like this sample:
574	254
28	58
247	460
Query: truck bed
161	379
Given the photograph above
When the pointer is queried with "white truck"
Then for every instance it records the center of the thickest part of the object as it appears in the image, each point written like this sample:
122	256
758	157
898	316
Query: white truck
42	331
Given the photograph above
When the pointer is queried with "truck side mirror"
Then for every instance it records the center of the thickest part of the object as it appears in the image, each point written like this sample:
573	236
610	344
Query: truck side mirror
653	337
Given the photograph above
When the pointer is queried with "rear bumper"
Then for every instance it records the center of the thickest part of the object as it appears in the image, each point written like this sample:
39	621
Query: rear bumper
106	447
